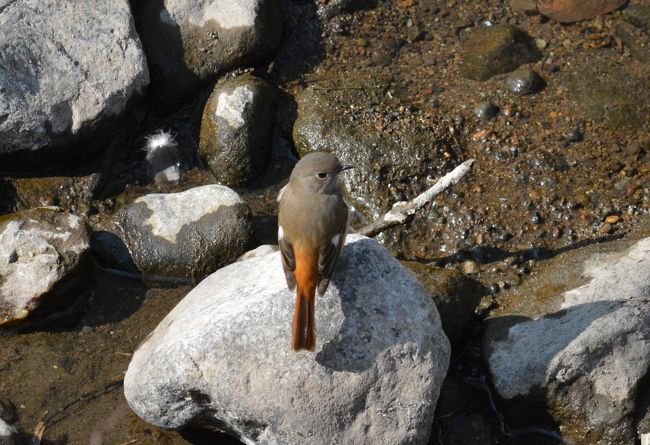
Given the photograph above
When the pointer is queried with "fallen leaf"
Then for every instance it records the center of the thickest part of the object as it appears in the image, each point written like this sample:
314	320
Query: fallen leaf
567	11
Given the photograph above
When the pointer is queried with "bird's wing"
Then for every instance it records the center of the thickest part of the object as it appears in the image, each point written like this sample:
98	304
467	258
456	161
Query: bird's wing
329	253
288	262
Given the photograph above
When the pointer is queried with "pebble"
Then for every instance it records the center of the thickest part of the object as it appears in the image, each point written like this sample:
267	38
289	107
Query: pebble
612	219
575	135
470	267
486	110
606	228
524	81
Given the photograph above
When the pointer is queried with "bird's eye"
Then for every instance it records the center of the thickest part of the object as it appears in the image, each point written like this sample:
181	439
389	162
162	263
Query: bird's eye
322	175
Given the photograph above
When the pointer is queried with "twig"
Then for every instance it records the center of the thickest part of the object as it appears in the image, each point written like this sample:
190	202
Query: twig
62	413
402	210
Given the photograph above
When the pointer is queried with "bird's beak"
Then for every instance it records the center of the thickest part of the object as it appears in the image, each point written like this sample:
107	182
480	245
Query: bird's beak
346	167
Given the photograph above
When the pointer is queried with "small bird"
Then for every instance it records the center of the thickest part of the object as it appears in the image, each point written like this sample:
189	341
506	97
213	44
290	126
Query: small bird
312	224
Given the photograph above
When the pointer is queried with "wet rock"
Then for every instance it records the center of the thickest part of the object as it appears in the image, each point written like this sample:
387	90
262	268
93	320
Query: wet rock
223	356
237	129
379	161
611	96
8	434
486	110
111	252
587	356
455	295
67	70
567	11
495	50
188	43
188	234
43	257
524	81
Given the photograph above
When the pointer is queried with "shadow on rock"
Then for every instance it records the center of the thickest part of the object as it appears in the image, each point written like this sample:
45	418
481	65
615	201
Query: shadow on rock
582	366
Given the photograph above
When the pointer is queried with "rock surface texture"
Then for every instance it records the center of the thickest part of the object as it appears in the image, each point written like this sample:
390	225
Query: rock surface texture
222	357
495	50
587	361
237	129
188	42
67	70
379	161
188	234
42	253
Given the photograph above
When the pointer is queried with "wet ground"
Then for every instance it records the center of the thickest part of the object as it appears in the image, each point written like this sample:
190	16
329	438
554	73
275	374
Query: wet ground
563	168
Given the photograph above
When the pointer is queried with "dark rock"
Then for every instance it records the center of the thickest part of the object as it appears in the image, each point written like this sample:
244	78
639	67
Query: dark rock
455	295
380	162
188	43
111	252
237	129
51	248
575	135
495	50
67	70
524	81
486	110
188	234
380	359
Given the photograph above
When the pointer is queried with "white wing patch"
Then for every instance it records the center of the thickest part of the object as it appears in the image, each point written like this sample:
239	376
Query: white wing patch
280	233
335	239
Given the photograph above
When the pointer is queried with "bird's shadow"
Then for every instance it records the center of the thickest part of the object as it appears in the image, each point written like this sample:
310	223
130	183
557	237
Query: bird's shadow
354	345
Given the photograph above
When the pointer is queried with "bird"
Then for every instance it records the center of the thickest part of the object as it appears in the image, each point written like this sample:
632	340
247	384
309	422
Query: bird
312	225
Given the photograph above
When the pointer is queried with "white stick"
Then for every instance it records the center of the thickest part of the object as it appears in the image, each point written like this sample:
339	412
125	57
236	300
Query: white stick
402	210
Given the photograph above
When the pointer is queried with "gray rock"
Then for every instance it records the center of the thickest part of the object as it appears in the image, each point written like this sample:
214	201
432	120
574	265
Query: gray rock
496	49
524	81
8	434
237	129
43	253
262	250
586	361
189	42
614	276
188	234
223	358
486	110
67	70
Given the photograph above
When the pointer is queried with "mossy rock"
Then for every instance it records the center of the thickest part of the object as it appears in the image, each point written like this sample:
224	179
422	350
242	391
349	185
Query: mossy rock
237	129
495	50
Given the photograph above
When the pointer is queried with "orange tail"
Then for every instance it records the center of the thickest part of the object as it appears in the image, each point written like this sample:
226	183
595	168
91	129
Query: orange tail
304	322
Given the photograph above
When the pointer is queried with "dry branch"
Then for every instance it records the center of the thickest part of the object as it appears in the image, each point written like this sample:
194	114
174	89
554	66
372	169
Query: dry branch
402	210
